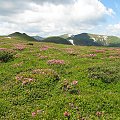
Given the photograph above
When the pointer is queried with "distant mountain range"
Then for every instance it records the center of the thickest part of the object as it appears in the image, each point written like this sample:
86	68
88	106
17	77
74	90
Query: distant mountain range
57	40
95	40
83	39
38	38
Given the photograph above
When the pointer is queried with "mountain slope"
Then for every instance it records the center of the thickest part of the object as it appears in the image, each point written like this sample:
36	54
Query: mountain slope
57	40
83	39
65	36
38	38
86	39
22	36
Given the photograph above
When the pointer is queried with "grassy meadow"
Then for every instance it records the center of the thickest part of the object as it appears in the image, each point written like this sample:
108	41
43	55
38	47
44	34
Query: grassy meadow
46	81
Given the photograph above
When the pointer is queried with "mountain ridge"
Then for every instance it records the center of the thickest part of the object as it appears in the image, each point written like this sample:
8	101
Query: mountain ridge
23	36
82	39
95	40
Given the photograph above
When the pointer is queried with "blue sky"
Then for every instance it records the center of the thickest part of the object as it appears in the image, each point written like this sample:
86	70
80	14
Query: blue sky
55	17
114	4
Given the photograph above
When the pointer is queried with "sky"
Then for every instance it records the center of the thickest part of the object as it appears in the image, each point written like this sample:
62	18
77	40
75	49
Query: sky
56	17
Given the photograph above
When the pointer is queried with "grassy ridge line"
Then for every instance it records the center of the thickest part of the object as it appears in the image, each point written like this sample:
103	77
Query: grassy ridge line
21	36
57	40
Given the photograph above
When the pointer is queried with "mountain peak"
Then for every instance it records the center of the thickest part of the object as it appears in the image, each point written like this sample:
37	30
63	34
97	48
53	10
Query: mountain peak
22	36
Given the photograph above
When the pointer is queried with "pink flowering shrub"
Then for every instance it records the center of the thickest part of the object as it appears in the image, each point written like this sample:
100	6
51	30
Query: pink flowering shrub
43	57
19	47
35	113
71	87
75	82
59	62
114	57
47	72
106	74
92	55
99	114
70	51
99	51
44	71
18	64
3	49
43	48
67	114
87	55
24	79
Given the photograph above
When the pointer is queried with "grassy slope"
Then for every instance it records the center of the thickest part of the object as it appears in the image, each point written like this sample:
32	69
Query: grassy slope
22	36
114	41
111	40
84	39
51	91
57	40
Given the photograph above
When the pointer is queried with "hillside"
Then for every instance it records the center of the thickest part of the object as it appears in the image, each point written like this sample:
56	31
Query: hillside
47	81
22	36
57	40
65	36
38	38
86	39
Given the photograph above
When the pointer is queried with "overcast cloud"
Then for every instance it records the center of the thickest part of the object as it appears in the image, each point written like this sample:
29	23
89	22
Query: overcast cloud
52	17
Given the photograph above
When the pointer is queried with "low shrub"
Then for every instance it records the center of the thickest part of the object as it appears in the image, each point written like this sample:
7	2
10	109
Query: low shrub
30	44
5	56
106	73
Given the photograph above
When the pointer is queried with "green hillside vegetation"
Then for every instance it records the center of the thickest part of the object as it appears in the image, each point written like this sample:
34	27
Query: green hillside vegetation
47	81
57	40
86	39
65	36
22	36
38	38
114	41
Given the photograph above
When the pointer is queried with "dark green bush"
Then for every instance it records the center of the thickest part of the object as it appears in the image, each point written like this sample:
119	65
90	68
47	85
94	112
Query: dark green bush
107	74
5	56
30	44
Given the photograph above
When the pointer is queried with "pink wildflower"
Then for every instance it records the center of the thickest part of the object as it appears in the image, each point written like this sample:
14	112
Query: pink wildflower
74	82
33	114
19	47
98	113
66	114
24	82
44	48
92	55
100	51
56	62
111	56
43	57
3	49
18	64
19	77
30	79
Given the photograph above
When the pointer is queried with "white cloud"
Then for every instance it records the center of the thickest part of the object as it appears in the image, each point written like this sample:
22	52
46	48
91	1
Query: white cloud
49	18
114	29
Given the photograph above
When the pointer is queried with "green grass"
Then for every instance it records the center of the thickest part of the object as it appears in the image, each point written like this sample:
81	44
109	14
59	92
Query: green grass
28	83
